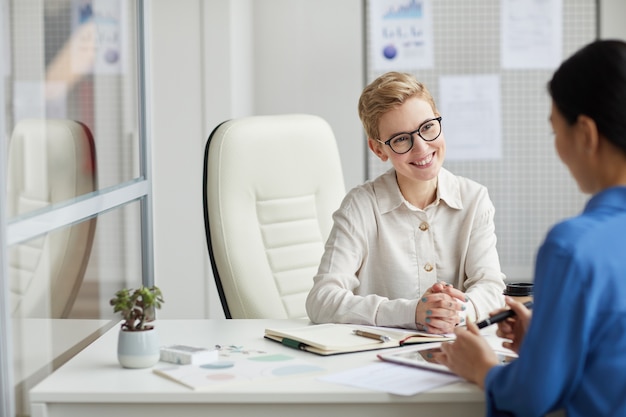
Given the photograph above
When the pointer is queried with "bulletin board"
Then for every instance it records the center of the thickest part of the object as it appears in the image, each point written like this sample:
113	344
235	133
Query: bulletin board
529	186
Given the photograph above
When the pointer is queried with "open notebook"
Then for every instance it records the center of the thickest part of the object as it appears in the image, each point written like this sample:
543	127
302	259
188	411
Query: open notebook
334	338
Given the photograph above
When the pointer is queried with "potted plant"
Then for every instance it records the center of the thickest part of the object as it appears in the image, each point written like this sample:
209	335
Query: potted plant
138	344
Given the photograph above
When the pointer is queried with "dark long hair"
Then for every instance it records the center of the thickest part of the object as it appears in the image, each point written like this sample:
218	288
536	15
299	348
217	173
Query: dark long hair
592	82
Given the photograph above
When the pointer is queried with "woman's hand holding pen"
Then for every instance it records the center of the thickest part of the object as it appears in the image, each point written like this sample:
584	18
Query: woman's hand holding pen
438	310
514	328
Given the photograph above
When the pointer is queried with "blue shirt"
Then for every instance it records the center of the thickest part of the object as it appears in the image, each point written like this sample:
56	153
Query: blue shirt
573	356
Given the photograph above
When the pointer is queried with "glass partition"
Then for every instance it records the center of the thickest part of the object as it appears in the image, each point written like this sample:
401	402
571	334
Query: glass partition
76	212
60	287
70	60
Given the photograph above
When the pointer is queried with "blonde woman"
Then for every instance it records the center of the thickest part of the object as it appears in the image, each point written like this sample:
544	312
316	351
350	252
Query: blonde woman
415	247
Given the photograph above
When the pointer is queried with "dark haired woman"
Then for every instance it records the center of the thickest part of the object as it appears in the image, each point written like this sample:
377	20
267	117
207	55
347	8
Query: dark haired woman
572	354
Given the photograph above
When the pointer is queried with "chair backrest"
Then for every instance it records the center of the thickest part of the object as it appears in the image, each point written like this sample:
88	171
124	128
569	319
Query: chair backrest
271	184
50	161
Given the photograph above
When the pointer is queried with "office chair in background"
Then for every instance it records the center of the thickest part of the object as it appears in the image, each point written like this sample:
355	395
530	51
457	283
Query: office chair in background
270	186
50	161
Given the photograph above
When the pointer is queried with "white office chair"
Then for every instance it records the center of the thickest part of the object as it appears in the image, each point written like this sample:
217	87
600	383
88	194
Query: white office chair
50	161
270	186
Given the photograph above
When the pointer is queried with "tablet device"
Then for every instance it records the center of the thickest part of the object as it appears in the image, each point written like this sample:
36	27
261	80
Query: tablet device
420	356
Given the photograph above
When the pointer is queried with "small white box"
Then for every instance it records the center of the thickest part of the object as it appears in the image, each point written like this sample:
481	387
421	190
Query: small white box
188	355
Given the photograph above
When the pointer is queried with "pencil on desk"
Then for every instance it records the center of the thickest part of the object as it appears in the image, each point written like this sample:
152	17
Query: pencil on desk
371	335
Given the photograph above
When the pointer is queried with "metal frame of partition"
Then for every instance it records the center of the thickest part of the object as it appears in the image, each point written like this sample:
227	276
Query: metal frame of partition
7	406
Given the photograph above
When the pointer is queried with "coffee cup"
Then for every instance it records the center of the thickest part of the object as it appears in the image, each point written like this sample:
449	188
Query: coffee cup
520	291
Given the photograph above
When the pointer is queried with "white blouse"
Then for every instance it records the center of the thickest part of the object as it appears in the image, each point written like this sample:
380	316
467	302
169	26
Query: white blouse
383	254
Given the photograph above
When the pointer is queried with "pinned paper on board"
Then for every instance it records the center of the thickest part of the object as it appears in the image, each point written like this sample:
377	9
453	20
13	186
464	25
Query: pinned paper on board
401	33
531	34
472	125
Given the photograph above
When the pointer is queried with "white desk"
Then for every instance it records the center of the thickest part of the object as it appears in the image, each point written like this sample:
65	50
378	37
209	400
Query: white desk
93	383
41	345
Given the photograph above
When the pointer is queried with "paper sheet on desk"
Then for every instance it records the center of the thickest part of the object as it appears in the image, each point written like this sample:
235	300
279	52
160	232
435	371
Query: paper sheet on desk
392	378
236	365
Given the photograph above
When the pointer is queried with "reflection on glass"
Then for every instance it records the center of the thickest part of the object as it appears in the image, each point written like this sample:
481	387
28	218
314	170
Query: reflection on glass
50	161
76	60
41	340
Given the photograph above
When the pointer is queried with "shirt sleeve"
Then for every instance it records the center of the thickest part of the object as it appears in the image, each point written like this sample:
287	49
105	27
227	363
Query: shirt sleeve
333	297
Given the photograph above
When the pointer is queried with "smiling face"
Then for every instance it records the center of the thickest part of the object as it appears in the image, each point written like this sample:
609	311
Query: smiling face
422	163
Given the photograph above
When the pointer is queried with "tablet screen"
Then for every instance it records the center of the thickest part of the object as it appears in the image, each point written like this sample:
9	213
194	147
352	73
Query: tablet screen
422	356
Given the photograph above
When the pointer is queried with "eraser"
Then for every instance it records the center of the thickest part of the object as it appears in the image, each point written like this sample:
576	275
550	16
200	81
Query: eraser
188	355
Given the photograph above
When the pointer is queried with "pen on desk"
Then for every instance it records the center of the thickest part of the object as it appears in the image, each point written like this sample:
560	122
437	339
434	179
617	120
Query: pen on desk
500	316
293	343
370	335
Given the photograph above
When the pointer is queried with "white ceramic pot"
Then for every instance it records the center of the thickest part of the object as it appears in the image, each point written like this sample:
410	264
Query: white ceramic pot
138	349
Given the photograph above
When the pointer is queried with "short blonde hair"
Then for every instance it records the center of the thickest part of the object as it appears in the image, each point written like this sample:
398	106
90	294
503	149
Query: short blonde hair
388	92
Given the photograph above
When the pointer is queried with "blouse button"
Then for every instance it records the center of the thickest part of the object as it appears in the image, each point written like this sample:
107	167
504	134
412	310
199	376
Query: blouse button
424	226
428	267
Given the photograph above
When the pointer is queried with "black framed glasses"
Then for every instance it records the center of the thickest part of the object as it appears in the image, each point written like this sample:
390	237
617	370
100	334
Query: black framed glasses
403	142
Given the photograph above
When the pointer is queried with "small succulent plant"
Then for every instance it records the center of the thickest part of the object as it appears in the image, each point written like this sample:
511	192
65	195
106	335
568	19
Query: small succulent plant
137	307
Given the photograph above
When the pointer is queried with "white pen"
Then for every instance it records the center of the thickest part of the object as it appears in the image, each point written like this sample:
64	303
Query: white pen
371	335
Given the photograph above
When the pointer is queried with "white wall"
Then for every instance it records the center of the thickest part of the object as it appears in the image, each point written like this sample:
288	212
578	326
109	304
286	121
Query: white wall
309	58
178	130
612	16
219	59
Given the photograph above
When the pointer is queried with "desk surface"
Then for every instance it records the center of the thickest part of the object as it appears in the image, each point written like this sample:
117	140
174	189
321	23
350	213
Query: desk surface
41	345
94	384
46	343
